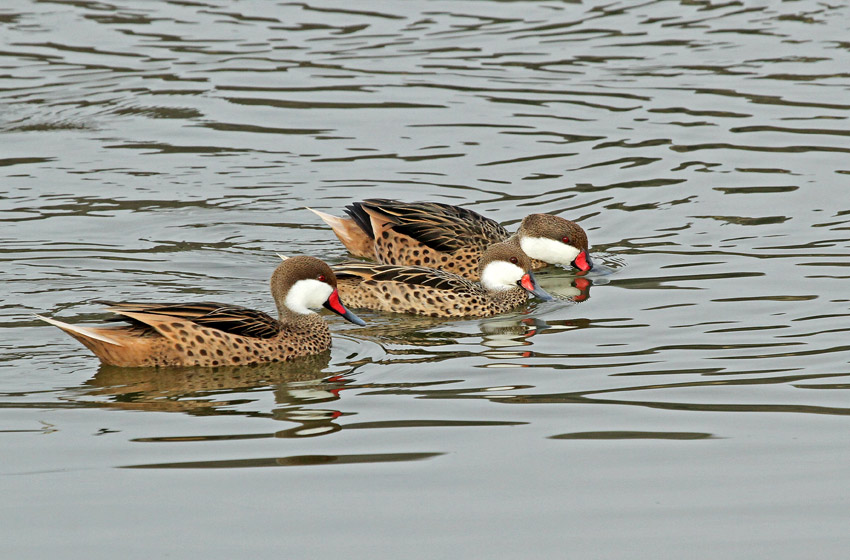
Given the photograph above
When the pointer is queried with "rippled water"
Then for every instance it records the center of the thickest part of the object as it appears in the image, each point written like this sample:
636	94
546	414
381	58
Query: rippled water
167	150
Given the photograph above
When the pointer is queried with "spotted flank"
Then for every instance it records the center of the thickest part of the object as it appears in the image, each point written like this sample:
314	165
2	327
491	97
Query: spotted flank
216	334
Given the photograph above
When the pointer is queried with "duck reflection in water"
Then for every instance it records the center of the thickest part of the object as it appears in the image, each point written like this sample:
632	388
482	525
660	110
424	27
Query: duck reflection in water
198	389
511	332
298	386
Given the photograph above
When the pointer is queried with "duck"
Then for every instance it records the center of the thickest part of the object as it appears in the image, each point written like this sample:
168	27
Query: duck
506	283
213	334
451	238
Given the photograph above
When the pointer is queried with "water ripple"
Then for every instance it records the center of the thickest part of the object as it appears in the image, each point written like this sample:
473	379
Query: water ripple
156	152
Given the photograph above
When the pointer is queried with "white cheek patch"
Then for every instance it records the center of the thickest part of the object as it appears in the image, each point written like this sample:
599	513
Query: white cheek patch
501	275
548	250
307	294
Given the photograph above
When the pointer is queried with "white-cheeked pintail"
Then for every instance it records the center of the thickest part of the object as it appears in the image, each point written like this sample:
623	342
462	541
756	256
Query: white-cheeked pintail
451	238
506	282
216	334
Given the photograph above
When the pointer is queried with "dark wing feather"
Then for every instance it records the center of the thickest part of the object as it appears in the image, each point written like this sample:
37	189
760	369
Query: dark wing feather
356	212
233	319
442	227
410	275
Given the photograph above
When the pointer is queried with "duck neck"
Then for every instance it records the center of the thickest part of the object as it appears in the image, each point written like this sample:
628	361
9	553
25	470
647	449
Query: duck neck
507	294
294	321
508	299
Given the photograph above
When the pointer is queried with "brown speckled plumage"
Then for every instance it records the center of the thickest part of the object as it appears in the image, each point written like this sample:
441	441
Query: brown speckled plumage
213	334
426	291
437	235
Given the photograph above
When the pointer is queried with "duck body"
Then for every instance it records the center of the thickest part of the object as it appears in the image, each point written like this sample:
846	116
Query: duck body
200	334
214	334
420	290
451	238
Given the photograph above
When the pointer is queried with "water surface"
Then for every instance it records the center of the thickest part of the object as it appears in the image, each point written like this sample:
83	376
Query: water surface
692	405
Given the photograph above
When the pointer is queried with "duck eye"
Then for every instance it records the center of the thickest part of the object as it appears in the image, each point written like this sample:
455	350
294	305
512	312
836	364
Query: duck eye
321	278
565	239
514	260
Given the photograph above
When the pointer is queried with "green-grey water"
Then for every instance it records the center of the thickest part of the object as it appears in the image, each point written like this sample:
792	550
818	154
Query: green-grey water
692	405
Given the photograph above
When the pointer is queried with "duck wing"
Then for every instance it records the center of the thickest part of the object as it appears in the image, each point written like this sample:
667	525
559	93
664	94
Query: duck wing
442	227
232	319
408	275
